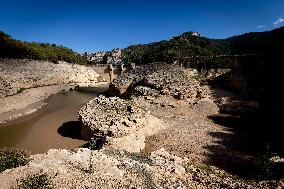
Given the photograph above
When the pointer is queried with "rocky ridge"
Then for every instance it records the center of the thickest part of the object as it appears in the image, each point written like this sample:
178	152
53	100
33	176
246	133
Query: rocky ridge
158	79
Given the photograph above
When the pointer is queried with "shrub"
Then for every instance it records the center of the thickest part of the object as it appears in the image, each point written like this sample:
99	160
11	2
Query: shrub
11	158
20	90
90	168
93	144
37	181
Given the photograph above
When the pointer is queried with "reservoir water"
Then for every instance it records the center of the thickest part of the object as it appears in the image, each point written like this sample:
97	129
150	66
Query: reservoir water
54	126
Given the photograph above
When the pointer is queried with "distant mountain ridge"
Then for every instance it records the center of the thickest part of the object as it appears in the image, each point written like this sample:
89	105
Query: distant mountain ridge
188	44
184	45
268	42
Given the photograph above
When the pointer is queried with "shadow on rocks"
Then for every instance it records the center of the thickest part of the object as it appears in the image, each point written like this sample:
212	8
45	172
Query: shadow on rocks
246	145
71	129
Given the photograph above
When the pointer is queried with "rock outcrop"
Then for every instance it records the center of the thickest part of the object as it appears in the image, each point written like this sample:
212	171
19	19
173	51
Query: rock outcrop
214	73
16	75
160	79
121	122
112	117
106	57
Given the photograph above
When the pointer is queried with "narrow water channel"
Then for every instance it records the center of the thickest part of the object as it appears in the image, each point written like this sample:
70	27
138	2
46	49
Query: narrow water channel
44	129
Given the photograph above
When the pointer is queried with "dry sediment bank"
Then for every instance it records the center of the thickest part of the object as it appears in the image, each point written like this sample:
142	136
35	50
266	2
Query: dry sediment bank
30	100
25	84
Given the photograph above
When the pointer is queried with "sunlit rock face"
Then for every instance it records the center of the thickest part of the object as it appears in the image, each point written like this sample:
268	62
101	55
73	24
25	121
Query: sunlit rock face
112	117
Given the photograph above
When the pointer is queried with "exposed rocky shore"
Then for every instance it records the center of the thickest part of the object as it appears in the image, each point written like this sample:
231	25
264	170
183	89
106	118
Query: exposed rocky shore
24	84
108	168
16	75
175	96
155	132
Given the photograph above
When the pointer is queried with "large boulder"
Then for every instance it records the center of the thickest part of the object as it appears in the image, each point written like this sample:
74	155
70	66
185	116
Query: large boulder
122	124
112	117
234	106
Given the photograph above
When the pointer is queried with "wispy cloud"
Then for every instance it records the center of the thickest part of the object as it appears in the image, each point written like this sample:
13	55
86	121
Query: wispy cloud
278	21
261	26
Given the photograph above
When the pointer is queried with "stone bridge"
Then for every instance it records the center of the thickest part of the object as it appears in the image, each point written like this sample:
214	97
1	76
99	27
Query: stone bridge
110	71
218	61
202	63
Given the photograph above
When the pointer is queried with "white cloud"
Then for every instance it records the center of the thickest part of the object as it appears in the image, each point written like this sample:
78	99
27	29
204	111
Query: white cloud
278	21
261	26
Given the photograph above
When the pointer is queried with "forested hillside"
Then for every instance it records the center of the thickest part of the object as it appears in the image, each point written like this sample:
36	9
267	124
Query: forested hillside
184	45
188	44
11	48
260	43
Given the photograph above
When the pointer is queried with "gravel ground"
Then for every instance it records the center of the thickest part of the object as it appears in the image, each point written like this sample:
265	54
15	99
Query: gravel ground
192	134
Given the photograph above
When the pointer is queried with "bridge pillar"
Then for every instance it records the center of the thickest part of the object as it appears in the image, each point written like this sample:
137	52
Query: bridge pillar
111	72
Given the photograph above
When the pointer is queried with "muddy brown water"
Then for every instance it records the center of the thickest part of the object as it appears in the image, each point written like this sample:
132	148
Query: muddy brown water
44	129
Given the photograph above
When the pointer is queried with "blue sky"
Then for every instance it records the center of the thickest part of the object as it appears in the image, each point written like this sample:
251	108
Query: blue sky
93	25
